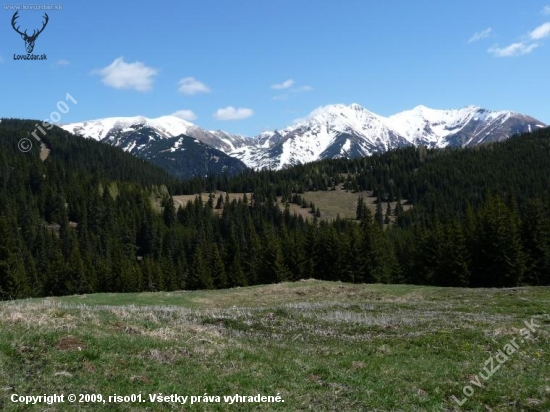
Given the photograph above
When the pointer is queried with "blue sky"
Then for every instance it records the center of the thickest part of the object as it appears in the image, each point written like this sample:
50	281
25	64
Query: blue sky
250	65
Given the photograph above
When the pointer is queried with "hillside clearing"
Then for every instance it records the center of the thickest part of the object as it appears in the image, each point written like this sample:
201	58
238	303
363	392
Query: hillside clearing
332	203
44	152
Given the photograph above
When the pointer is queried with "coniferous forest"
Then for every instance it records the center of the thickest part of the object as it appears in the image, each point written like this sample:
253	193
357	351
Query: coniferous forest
91	218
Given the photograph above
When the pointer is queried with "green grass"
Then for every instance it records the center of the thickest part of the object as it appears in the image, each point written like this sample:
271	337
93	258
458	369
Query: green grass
322	346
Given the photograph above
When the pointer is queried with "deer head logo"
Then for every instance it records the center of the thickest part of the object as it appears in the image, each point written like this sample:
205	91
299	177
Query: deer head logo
29	40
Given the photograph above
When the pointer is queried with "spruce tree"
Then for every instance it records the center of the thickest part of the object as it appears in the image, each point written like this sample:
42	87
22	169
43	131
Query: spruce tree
379	215
359	209
169	211
499	259
388	214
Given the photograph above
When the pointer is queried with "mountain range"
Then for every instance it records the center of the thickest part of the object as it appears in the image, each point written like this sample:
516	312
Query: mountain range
185	149
178	146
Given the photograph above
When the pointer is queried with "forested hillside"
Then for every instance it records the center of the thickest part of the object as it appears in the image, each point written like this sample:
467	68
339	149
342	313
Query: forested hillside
447	178
86	220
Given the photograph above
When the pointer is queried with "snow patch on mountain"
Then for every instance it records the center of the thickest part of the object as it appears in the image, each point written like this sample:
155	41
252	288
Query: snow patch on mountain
327	132
166	126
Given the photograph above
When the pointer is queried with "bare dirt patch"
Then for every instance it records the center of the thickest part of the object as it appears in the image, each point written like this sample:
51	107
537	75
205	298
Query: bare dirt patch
140	379
44	152
70	343
89	367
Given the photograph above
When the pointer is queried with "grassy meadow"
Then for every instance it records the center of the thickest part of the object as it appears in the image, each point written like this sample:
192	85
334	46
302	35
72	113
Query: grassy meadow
321	346
331	203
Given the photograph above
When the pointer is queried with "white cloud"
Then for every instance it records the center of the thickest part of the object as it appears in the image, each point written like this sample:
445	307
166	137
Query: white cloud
302	89
122	75
284	85
232	113
281	97
527	44
185	115
191	86
312	114
287	95
546	10
540	32
60	63
515	49
480	35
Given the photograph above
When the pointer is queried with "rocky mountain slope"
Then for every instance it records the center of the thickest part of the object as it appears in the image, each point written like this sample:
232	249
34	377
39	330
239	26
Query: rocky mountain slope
329	132
178	146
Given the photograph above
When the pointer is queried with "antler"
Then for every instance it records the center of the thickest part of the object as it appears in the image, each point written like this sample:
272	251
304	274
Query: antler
35	35
15	16
43	26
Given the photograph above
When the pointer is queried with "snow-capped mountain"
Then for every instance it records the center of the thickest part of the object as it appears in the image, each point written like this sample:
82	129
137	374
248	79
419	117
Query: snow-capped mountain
111	129
334	131
328	132
352	131
464	127
180	147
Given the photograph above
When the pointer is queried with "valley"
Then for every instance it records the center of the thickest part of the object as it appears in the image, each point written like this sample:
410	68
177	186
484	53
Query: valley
457	217
275	206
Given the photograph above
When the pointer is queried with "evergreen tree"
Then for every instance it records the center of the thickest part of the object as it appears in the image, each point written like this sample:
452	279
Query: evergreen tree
535	234
274	267
388	214
219	203
236	275
379	215
14	283
360	208
169	211
200	274
499	259
220	280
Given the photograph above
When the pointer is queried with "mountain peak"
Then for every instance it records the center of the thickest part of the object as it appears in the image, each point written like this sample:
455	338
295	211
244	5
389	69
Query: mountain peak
167	126
343	110
336	130
420	108
169	118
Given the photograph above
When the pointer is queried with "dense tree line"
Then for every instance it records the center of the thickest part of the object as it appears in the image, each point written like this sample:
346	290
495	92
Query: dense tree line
94	219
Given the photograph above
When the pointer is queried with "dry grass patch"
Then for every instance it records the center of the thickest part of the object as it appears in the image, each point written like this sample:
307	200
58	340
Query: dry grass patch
182	200
339	202
168	356
331	203
140	379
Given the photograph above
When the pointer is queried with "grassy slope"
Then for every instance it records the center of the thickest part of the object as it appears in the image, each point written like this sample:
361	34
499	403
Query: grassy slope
323	346
344	203
331	203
